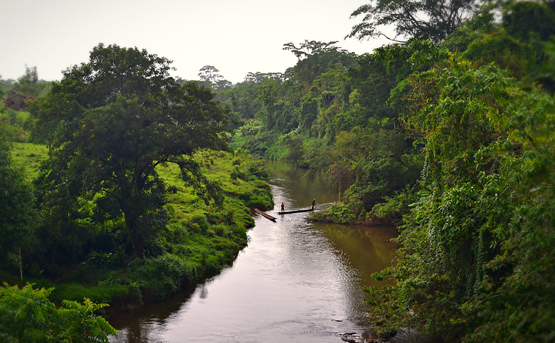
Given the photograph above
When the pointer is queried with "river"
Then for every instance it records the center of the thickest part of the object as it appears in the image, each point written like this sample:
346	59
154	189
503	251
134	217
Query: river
296	281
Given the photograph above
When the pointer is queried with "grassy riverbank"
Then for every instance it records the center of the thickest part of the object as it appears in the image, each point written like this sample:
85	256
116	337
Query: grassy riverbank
201	239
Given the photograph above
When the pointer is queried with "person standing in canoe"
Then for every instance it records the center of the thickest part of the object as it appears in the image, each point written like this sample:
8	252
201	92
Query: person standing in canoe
313	202
282	207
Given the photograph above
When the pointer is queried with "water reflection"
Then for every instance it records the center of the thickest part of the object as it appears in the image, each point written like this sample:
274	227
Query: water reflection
296	281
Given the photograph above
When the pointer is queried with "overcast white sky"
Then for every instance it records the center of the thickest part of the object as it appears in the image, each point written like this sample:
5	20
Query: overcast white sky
235	36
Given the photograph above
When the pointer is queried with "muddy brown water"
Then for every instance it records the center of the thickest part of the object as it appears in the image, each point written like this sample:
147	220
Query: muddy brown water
296	281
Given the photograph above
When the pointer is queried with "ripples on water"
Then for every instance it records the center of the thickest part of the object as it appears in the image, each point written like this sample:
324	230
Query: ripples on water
295	282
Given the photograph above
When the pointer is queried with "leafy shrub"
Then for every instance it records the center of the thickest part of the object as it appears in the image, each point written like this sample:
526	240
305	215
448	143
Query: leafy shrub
220	230
27	315
393	208
211	265
162	276
339	213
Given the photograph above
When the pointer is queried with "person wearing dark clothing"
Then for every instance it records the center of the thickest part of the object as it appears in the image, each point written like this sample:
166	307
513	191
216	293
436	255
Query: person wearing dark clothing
313	201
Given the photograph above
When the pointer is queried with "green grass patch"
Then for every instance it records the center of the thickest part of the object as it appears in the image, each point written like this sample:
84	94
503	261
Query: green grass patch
200	240
103	293
28	156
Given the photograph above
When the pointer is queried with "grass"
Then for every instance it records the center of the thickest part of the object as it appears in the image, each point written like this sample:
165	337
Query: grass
28	156
199	241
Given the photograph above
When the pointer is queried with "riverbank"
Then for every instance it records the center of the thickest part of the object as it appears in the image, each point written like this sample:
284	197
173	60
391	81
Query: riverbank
201	239
338	213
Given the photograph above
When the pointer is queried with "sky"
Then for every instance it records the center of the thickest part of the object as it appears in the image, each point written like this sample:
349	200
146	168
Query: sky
235	36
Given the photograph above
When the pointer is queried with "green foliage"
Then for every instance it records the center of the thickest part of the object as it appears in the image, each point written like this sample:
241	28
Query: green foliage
108	291
13	125
453	139
26	315
545	72
503	50
315	58
333	115
199	241
211	77
29	84
440	18
341	212
394	207
159	276
447	139
482	21
528	20
2	92
477	240
118	117
242	100
17	222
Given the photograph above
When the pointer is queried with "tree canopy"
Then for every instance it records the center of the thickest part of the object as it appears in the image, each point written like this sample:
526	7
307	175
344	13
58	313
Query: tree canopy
117	117
211	77
421	19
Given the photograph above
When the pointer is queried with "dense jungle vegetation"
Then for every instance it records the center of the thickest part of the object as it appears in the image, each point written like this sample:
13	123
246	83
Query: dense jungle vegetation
447	132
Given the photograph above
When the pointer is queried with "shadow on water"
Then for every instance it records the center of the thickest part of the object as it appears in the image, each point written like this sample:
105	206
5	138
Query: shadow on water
295	281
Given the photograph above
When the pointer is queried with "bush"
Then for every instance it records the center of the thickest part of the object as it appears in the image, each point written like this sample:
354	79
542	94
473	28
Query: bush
27	315
259	201
394	207
339	213
161	276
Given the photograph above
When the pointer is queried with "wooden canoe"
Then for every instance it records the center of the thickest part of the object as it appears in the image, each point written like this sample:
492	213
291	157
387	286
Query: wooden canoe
296	211
265	214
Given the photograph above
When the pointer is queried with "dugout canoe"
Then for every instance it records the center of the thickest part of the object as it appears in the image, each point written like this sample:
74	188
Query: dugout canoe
265	214
296	211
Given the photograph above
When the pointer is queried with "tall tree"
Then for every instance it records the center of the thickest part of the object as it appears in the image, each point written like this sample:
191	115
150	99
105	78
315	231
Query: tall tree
29	84
315	58
118	117
259	77
211	77
422	19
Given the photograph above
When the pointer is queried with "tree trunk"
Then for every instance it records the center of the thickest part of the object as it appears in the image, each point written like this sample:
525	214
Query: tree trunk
136	240
20	264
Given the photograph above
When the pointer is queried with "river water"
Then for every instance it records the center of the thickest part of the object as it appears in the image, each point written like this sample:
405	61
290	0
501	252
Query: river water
296	281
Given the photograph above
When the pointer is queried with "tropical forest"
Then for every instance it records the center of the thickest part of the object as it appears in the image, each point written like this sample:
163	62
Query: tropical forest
122	185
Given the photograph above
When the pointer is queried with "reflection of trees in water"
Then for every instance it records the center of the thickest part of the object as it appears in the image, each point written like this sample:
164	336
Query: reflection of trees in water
148	324
362	251
300	186
368	249
141	333
203	294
